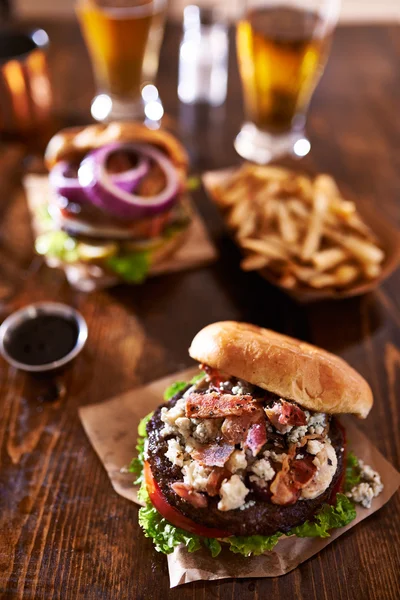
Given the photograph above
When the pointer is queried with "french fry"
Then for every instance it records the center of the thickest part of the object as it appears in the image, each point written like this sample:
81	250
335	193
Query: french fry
342	208
238	214
322	280
286	225
304	274
298	208
326	185
364	251
371	270
288	281
265	248
269	172
313	237
329	258
346	274
254	262
247	227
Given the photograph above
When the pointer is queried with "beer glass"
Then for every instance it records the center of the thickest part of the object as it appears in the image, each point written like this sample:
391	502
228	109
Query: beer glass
282	48
124	39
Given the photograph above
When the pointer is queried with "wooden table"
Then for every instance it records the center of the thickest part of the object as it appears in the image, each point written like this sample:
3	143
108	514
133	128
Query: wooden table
64	533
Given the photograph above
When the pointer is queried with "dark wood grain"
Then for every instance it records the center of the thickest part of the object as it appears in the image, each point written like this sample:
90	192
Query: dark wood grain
64	533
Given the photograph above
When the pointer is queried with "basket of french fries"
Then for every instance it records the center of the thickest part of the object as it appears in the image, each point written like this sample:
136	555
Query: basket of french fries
301	234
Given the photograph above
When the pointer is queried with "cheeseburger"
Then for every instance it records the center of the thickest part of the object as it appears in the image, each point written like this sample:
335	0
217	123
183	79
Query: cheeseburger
252	448
117	205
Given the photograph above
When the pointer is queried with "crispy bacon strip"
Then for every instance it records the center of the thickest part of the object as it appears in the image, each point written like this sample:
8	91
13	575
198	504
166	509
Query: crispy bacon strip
283	491
294	476
216	477
285	413
257	436
214	405
302	471
213	455
186	492
234	429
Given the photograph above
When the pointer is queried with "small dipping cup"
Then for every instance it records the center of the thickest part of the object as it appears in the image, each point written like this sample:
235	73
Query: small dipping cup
42	337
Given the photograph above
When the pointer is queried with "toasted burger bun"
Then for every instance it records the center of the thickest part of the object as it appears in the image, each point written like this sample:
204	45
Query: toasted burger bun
310	376
73	142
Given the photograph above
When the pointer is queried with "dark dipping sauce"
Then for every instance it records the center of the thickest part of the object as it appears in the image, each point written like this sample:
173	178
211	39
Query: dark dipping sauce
42	340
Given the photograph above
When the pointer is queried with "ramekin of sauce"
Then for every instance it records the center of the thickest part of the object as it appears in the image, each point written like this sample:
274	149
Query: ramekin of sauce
42	337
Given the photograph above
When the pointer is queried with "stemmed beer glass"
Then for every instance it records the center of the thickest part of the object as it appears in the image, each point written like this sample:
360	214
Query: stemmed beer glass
282	49
123	38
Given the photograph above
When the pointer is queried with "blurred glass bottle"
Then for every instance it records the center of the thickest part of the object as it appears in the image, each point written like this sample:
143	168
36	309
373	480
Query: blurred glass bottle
203	57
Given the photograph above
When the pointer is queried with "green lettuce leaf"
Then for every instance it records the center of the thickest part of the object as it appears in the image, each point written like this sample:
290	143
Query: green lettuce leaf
253	544
178	386
353	476
197	377
137	463
57	244
173	389
213	546
166	536
133	267
329	517
43	217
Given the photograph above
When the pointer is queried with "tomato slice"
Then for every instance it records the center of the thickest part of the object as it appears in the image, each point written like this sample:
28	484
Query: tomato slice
172	514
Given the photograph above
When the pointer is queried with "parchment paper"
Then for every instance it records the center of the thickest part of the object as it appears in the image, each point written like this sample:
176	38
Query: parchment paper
112	431
197	249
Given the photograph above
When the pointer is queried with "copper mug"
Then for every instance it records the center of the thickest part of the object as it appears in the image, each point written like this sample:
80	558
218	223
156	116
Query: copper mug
25	90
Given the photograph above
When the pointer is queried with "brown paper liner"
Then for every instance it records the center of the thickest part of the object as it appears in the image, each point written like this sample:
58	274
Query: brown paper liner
112	431
387	234
197	249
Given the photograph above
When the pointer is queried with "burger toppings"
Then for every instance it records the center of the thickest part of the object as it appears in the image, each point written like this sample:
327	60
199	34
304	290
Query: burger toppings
185	491
213	455
256	437
236	441
233	493
325	465
215	404
284	415
234	429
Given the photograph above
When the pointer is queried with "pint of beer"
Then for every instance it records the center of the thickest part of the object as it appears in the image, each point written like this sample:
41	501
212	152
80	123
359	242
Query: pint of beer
123	38
282	48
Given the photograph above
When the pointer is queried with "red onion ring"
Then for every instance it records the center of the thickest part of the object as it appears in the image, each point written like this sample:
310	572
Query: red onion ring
69	187
104	193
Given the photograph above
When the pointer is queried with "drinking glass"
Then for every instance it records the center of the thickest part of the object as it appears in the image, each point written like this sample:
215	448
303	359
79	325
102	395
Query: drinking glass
26	103
282	49
124	39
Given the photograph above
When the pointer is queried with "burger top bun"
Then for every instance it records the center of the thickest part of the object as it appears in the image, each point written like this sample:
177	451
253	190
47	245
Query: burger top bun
294	370
73	142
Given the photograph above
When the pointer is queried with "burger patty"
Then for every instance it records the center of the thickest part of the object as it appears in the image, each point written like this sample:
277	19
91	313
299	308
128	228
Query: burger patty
261	517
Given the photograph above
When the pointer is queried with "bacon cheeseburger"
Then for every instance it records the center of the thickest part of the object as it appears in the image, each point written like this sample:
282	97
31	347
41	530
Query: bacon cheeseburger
251	449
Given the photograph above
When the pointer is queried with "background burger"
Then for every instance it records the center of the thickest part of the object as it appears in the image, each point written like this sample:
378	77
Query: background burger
117	205
252	448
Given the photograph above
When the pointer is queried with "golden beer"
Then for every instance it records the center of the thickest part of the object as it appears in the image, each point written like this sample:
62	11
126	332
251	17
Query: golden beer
281	54
123	38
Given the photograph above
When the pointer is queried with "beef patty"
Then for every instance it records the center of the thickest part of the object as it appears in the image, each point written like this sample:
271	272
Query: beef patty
262	517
